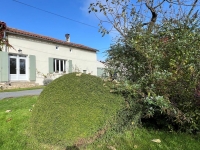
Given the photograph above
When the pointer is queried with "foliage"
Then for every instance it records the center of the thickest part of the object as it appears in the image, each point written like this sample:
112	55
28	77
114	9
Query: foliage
2	29
73	108
157	61
119	16
15	133
161	72
47	81
3	40
48	75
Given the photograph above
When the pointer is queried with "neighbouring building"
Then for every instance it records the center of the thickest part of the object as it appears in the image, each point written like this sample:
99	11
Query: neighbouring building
35	57
101	69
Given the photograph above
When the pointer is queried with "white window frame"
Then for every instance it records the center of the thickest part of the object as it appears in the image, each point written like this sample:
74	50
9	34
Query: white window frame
59	65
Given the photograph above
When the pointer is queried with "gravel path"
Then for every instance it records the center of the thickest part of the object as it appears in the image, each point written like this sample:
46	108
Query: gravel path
19	93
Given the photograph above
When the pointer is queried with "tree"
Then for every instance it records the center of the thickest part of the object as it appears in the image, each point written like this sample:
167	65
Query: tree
3	40
126	15
157	60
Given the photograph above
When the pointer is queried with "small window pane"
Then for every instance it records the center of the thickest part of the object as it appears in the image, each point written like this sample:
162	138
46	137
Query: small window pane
54	69
61	65
22	55
13	64
13	54
22	66
64	68
57	66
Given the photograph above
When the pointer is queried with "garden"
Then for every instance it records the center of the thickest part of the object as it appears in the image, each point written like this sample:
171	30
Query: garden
150	99
81	115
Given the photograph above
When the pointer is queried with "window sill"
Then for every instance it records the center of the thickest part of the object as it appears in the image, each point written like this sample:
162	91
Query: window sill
59	73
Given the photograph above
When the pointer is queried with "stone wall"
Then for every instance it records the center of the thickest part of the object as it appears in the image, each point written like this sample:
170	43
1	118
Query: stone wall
15	85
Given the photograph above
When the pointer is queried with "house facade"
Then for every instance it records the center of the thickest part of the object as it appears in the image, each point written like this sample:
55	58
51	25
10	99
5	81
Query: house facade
35	57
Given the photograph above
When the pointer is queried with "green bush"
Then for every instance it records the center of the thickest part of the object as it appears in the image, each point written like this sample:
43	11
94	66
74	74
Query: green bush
161	72
46	81
72	108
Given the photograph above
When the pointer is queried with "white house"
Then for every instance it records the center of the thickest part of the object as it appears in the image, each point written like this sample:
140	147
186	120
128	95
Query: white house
36	56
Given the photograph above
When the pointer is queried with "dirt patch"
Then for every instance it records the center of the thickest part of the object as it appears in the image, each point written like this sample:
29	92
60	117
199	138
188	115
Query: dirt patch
83	142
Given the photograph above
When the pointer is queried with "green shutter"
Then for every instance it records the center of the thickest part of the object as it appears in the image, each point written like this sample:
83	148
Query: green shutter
3	66
32	64
70	66
100	72
50	65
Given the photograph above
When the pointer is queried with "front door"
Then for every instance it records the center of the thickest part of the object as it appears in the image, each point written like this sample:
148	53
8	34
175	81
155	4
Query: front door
18	67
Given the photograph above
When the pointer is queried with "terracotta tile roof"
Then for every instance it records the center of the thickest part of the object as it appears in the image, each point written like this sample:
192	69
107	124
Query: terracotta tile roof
46	38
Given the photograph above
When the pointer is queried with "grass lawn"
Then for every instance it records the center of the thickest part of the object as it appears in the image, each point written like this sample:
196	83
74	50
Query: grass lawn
141	139
14	124
14	133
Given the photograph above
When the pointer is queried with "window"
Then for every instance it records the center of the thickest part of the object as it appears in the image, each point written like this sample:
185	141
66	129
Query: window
84	71
59	65
57	47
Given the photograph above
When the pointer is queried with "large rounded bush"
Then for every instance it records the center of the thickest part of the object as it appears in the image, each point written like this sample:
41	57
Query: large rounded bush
72	108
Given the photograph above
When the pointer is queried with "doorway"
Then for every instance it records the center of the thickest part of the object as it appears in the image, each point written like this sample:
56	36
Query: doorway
18	67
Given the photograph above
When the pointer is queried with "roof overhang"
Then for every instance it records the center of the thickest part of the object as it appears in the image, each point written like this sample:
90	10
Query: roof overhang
48	39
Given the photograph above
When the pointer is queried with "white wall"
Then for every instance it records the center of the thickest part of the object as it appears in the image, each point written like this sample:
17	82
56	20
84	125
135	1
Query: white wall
100	64
81	59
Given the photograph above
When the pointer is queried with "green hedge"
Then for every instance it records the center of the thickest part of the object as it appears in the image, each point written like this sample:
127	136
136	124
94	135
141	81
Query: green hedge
72	108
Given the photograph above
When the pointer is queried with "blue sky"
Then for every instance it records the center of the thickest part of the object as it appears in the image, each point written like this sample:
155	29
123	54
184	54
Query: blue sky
29	19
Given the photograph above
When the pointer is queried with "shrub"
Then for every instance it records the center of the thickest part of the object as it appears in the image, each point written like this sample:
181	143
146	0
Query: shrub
47	81
72	108
160	71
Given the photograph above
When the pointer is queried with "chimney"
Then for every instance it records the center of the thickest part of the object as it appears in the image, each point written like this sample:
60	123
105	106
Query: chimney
67	37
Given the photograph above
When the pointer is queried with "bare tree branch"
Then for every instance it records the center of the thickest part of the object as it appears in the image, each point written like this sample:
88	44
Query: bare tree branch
159	4
153	13
179	3
153	18
193	6
127	14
